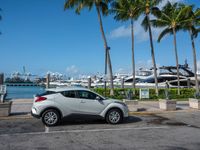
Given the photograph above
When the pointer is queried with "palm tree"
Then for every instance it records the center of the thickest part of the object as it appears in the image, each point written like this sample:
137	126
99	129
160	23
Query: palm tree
101	8
147	7
127	10
172	16
190	23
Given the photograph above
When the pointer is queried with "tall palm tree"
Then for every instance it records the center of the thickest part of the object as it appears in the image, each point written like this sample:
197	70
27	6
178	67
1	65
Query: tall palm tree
172	16
101	8
190	24
147	7
124	10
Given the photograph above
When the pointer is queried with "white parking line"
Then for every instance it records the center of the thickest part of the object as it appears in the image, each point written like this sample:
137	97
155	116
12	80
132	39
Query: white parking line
46	129
89	130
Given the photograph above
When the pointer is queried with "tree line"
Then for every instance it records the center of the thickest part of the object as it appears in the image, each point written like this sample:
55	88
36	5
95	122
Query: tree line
173	17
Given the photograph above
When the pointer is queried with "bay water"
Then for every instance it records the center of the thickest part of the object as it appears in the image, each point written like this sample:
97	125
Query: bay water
23	92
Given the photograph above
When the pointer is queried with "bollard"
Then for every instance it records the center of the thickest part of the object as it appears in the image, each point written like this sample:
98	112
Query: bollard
47	80
188	83
1	78
2	98
122	83
167	90
89	82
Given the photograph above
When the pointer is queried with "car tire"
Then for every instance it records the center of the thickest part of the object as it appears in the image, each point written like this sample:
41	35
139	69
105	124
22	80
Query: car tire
114	116
51	117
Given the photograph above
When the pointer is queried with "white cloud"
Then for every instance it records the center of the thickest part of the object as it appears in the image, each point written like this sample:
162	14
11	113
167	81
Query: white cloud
72	70
140	34
122	31
145	64
123	70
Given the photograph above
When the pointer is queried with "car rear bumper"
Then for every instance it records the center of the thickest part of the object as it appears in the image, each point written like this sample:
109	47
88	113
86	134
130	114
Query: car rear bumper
34	114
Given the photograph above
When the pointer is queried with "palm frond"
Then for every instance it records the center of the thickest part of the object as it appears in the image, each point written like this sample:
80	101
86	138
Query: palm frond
164	32
145	23
124	10
104	8
158	23
183	12
156	12
197	12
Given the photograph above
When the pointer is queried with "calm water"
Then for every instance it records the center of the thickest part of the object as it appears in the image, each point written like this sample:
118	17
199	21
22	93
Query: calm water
17	92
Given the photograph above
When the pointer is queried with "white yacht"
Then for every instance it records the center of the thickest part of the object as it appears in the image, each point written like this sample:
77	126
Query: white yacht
169	74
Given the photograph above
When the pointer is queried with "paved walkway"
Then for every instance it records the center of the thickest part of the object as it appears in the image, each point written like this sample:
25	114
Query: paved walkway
153	106
23	107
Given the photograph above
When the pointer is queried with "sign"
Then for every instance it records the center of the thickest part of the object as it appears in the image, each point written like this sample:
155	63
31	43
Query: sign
144	93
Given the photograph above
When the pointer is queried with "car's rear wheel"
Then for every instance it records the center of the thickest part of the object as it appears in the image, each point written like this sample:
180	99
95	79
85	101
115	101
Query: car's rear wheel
51	117
114	116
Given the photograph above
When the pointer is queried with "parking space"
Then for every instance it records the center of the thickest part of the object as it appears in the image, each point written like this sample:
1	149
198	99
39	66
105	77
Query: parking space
32	125
20	125
138	132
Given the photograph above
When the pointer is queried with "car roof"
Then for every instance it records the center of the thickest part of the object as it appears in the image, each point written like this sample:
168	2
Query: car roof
60	89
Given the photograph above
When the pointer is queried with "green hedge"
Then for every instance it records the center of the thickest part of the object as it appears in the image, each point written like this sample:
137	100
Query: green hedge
122	93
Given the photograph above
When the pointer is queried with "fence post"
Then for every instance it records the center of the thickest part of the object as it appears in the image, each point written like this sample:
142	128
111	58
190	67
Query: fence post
1	78
1	87
122	83
89	82
47	80
188	83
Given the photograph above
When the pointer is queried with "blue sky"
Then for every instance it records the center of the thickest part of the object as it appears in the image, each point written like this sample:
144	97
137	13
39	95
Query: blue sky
41	36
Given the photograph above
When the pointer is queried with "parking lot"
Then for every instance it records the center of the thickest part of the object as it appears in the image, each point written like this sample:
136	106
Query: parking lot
156	131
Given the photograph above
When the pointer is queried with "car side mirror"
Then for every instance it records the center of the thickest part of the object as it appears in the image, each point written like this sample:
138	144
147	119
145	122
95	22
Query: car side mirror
98	98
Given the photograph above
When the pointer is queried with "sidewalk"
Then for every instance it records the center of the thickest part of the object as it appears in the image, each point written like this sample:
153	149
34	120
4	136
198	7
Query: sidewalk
152	107
22	107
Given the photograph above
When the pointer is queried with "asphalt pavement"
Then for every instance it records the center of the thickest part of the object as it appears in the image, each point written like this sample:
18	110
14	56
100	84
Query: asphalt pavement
145	132
147	129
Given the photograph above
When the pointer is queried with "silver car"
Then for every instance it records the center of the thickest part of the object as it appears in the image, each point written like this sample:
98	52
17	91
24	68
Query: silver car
55	104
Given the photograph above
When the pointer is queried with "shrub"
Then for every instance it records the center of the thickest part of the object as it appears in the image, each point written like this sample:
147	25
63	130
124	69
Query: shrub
123	93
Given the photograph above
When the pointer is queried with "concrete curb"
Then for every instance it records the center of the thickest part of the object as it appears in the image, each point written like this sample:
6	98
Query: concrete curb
161	112
12	117
28	116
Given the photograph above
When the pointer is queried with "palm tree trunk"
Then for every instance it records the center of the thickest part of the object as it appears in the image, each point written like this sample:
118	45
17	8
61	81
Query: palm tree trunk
133	57
195	63
152	55
107	53
177	64
105	73
111	73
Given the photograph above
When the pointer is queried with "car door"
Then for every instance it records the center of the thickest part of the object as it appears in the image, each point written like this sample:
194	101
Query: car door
89	103
68	101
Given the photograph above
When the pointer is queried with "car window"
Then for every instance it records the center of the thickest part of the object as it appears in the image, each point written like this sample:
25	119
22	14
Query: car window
86	95
70	94
46	93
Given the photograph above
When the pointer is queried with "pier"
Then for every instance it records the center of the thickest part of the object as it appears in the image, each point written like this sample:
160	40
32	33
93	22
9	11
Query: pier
22	84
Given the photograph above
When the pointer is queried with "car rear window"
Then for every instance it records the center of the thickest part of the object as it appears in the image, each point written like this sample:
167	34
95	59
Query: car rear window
46	93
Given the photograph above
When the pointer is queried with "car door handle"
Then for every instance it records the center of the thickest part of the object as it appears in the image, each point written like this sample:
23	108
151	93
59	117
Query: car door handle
82	101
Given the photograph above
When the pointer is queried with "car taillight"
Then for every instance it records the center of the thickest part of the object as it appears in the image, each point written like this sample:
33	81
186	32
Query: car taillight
39	99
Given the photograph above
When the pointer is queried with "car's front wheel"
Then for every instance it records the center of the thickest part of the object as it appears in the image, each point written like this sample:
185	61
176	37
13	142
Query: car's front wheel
51	117
114	116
